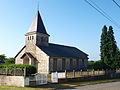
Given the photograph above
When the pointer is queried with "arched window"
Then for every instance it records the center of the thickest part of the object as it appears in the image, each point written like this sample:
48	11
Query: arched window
71	64
63	64
83	62
55	64
32	37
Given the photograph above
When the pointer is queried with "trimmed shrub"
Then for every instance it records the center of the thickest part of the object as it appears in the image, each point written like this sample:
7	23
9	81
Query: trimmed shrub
30	69
10	60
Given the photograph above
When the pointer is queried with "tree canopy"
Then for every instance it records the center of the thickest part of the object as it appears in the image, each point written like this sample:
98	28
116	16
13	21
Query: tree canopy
4	59
110	54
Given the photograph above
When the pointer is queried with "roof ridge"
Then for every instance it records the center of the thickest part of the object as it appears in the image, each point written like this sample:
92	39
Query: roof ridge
63	45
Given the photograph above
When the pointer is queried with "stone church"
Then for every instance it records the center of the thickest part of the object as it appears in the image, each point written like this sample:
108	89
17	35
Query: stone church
48	57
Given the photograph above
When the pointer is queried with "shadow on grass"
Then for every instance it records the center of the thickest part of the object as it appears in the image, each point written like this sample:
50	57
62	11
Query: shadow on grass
53	86
72	85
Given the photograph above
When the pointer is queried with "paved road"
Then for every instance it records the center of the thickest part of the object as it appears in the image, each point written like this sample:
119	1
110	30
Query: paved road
104	86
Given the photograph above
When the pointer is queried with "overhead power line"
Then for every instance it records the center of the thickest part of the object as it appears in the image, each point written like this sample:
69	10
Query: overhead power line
97	8
116	3
113	21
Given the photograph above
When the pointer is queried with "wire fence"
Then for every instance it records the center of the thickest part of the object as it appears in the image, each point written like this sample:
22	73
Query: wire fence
13	71
74	73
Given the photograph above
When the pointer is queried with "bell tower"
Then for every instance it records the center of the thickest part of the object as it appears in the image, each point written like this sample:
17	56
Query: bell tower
37	34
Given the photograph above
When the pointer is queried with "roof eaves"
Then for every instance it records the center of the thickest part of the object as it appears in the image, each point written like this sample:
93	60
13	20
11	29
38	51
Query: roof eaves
19	52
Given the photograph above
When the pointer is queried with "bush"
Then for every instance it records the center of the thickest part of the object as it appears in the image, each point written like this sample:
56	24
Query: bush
30	69
90	65
2	58
96	65
10	60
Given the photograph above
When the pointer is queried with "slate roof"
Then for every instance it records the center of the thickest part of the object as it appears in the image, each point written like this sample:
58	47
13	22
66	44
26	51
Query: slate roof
56	50
37	25
19	52
28	54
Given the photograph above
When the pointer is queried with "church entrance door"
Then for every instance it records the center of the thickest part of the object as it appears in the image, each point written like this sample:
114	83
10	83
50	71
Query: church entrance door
26	60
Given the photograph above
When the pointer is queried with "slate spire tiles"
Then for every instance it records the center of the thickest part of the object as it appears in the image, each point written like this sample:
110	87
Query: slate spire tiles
37	25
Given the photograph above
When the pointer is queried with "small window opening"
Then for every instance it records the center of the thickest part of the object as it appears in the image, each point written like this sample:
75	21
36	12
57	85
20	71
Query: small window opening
32	37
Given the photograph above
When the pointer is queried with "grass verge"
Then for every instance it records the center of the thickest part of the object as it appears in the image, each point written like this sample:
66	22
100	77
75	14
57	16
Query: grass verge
69	85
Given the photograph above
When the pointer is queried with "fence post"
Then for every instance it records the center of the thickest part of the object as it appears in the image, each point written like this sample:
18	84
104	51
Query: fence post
87	72
98	71
65	74
14	72
116	70
6	70
93	72
103	72
81	72
24	72
73	73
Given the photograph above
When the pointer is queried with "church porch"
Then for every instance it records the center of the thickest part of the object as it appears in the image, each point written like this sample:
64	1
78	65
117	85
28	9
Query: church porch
28	59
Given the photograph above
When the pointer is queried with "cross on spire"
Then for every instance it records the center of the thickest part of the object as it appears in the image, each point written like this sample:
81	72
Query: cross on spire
38	6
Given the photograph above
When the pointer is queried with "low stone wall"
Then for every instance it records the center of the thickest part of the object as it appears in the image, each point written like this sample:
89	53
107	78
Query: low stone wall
38	79
12	80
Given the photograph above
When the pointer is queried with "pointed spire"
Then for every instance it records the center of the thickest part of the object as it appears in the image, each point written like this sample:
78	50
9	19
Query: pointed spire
37	25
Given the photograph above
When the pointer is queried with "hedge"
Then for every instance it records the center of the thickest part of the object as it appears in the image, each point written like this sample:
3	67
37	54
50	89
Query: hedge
30	69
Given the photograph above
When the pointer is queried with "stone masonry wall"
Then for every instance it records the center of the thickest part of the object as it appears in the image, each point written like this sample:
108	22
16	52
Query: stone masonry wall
43	61
12	81
18	59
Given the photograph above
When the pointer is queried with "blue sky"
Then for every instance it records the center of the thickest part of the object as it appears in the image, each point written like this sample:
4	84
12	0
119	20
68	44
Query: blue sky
69	22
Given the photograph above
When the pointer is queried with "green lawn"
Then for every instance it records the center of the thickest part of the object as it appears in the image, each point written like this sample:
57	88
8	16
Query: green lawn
56	86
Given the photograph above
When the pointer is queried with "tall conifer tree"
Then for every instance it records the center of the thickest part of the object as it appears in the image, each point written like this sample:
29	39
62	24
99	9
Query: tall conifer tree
104	46
110	54
112	49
